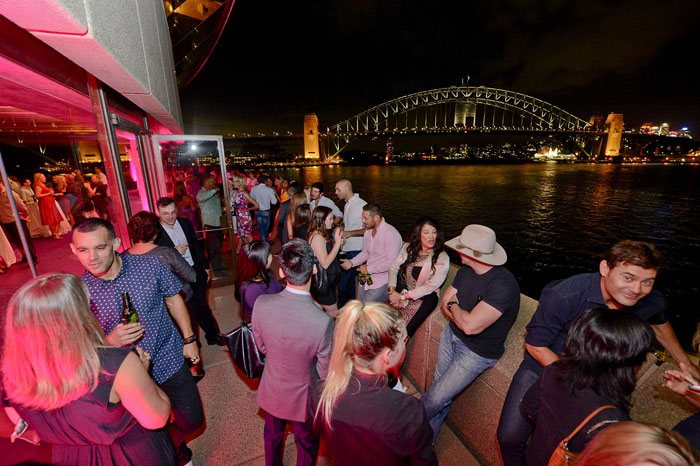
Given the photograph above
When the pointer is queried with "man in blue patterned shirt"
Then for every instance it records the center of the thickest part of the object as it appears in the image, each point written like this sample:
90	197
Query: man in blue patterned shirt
151	287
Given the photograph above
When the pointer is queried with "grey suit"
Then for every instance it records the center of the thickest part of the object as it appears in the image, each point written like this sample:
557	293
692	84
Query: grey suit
296	336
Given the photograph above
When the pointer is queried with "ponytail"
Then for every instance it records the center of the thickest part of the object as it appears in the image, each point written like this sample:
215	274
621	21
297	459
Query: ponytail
362	331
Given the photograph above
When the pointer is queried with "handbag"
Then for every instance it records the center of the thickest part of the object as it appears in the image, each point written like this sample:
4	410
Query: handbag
320	284
241	345
562	456
244	351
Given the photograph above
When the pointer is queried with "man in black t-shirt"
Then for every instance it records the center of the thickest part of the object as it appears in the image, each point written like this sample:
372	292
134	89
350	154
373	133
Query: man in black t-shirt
482	304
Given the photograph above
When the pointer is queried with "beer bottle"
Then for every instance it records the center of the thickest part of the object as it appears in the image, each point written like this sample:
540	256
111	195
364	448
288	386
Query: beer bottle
129	314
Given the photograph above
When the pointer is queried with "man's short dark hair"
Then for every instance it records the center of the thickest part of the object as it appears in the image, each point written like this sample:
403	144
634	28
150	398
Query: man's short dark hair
262	179
89	225
143	227
165	202
318	185
372	208
297	261
639	253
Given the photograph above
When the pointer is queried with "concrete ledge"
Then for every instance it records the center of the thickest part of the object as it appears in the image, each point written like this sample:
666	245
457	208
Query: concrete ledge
475	412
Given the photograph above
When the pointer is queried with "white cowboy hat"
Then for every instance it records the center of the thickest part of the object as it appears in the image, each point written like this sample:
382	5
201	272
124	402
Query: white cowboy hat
479	243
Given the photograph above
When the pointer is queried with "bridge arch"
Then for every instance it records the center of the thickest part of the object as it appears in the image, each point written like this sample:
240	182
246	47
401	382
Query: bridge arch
533	113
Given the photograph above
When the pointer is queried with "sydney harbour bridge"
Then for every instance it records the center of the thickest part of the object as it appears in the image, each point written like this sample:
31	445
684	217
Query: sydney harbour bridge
472	109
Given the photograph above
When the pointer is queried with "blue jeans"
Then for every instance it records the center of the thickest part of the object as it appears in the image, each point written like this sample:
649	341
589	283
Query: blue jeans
376	295
514	428
457	367
347	283
263	218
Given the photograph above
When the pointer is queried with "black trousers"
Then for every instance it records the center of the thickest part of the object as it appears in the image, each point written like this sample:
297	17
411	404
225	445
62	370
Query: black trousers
187	409
204	315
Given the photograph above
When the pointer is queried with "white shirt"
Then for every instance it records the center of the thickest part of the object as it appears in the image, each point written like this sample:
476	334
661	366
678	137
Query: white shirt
353	221
264	196
324	201
177	236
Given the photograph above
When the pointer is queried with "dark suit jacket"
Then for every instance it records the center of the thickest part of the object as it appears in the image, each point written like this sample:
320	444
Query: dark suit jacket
296	335
282	214
200	261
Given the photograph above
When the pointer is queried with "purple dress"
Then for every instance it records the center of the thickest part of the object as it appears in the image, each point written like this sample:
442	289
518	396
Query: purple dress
250	291
93	431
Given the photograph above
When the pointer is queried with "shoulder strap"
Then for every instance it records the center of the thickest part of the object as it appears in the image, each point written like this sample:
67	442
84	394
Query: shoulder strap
585	421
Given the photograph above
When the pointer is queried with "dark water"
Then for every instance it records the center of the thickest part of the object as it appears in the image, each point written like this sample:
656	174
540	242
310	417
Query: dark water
554	220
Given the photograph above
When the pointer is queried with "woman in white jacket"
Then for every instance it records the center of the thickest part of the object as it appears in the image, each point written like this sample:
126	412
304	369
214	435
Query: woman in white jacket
418	273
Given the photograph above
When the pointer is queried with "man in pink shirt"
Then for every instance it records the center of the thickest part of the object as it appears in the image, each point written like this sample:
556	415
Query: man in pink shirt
382	243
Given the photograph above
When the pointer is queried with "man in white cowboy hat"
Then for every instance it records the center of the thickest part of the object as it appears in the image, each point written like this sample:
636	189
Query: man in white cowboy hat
482	304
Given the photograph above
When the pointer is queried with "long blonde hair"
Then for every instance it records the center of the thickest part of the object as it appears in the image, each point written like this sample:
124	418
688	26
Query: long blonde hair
49	357
636	442
362	331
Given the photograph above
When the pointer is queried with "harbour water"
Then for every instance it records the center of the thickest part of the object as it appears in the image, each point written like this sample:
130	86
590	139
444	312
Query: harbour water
554	220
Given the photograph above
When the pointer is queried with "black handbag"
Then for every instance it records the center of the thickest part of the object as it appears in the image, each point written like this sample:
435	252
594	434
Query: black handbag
320	284
241	345
244	352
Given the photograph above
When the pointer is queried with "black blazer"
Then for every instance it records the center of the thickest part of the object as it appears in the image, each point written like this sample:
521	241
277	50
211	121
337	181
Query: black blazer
200	261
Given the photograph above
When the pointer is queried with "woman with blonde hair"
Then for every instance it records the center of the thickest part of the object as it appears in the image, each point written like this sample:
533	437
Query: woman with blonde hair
636	443
95	403
47	205
363	420
242	203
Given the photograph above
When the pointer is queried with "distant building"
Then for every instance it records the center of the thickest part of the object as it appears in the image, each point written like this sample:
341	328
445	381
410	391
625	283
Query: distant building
311	143
614	125
597	122
663	131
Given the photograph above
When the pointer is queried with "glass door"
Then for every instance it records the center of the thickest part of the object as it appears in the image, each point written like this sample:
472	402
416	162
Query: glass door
191	169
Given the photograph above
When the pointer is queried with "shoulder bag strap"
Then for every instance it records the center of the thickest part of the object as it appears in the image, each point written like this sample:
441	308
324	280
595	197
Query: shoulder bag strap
584	422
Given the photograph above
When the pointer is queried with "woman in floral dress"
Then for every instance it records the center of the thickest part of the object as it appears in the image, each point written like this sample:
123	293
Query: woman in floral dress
242	203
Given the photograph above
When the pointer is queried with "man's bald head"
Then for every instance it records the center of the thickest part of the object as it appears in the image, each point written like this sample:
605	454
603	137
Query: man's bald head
343	189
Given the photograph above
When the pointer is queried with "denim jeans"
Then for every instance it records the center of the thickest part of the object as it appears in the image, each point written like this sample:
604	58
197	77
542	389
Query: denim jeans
690	429
307	442
457	367
347	284
186	407
377	295
514	428
263	218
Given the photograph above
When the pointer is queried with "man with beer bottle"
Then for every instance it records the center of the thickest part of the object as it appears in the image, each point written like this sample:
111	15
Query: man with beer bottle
153	292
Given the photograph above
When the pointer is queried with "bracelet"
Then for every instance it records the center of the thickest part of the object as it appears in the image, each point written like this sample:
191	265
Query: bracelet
190	339
392	289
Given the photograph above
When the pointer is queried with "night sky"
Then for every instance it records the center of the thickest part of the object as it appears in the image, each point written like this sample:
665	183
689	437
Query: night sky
277	60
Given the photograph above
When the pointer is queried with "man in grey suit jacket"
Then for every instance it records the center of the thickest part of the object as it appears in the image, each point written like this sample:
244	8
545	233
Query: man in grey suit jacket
296	336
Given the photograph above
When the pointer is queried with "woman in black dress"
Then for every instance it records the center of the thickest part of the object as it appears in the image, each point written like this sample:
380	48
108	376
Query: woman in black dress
95	403
326	249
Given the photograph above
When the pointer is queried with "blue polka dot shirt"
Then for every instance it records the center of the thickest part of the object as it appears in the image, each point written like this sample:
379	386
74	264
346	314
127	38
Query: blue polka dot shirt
148	282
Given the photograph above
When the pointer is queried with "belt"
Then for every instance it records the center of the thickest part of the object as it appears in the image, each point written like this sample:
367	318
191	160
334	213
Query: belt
264	211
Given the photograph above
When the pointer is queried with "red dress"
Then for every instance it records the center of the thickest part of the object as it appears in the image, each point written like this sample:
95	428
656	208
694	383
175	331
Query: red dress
47	207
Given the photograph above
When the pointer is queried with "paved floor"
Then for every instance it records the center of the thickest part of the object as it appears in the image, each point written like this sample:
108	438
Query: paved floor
233	434
234	423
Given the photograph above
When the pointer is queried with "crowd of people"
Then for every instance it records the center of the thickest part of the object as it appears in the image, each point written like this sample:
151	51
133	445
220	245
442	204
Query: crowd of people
48	209
334	328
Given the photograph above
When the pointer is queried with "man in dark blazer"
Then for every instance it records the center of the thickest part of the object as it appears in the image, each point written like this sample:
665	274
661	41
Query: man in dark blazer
179	233
296	335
